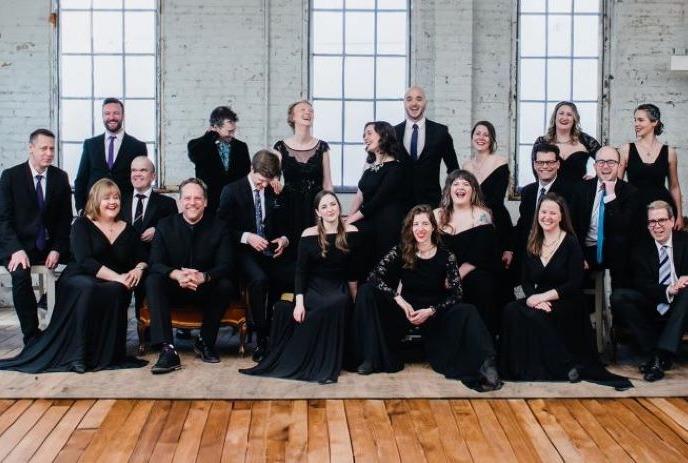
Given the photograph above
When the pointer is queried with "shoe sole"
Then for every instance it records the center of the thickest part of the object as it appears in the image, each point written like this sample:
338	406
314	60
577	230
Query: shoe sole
160	371
198	352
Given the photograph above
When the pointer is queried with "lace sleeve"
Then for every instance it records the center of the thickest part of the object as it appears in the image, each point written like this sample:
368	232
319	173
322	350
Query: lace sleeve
454	292
386	271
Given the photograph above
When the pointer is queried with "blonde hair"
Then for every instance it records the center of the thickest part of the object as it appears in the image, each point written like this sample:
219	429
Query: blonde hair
290	112
96	194
551	135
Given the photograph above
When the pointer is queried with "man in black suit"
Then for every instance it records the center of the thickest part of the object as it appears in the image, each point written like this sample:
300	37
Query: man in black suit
107	155
190	262
220	159
35	215
144	208
426	143
602	217
656	309
249	207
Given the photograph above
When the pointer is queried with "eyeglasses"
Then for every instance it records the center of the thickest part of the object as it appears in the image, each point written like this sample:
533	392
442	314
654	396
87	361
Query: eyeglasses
608	162
651	223
544	163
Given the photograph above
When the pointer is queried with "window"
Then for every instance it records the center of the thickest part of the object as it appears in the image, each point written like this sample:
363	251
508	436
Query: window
107	48
359	72
559	43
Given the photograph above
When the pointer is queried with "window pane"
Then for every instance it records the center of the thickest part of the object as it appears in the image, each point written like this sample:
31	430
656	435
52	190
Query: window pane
357	113
392	4
391	77
327	32
391	33
360	33
75	32
75	77
586	6
531	80
76	120
533	35
586	35
525	169
107	76
140	119
352	4
390	111
107	32
588	117
532	6
65	4
336	163
327	3
71	156
140	4
558	79
140	76
327	77
106	4
585	79
559	36
328	120
354	163
559	6
531	118
358	77
139	34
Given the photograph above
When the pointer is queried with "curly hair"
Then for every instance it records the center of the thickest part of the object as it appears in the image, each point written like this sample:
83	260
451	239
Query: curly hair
551	135
388	143
408	244
447	204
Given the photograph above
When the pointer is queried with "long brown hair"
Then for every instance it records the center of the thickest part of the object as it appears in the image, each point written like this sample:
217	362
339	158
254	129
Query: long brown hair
447	204
537	236
97	193
409	246
340	241
551	134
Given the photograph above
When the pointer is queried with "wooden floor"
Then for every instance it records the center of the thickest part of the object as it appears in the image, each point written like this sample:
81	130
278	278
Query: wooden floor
586	430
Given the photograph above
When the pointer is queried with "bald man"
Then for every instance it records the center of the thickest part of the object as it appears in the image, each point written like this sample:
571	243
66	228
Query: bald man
426	144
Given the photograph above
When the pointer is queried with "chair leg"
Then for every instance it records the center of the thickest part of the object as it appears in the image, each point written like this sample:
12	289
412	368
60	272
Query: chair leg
243	329
141	330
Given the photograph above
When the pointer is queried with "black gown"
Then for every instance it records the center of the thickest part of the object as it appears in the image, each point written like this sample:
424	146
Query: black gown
456	339
574	168
303	179
89	322
539	346
313	350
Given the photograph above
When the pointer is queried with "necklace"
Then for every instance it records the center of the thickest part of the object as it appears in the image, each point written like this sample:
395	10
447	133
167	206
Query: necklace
376	165
479	166
552	243
423	253
648	150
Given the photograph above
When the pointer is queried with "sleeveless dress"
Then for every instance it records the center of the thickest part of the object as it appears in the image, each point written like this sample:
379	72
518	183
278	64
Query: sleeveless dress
574	167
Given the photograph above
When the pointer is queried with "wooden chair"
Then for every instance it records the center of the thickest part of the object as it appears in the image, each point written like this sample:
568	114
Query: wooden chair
46	279
601	317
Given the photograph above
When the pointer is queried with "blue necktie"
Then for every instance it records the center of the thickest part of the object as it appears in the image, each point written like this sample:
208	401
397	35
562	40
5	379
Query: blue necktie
414	143
111	152
260	227
543	191
600	226
41	238
664	275
225	150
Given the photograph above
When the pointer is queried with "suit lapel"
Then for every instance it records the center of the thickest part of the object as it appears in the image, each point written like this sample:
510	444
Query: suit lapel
122	149
679	252
126	208
50	185
100	151
430	135
151	210
30	187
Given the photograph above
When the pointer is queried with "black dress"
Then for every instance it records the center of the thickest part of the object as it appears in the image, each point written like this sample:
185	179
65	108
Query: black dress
382	208
303	179
478	246
457	343
574	168
313	350
89	323
539	346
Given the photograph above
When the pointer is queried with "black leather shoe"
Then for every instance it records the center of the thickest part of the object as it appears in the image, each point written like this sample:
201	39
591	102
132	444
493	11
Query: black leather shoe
665	363
653	370
168	361
574	375
259	353
489	377
207	353
78	367
365	368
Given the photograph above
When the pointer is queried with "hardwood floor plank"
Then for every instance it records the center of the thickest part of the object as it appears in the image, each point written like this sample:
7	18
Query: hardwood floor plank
554	431
59	436
122	444
169	437
453	442
151	431
477	443
75	446
278	430
381	430
213	438
5	404
664	418
256	434
653	422
12	413
538	437
427	431
16	432
578	436
338	431
108	429
236	439
25	449
190	438
95	416
362	441
518	439
491	427
404	431
674	412
297	442
318	438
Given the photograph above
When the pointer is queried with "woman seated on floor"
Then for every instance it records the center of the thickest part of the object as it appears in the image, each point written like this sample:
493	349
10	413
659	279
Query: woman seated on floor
307	338
88	330
547	336
457	343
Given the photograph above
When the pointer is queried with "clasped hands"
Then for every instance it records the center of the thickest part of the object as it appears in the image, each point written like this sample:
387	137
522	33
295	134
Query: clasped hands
678	286
188	278
131	279
537	301
416	317
260	244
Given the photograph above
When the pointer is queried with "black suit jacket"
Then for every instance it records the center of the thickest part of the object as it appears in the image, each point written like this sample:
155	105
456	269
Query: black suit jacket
645	266
159	207
209	168
93	166
205	247
238	211
424	174
19	213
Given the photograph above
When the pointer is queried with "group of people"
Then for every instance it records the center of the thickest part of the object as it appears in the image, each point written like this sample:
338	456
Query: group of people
408	256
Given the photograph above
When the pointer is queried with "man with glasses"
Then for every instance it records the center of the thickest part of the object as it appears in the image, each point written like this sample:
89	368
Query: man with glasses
656	309
603	207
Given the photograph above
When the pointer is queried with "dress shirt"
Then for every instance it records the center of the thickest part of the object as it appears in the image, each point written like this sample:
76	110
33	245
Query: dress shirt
408	131
118	142
261	193
591	237
540	187
135	200
670	253
44	180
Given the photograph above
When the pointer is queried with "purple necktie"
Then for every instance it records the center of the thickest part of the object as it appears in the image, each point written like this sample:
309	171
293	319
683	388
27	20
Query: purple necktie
41	239
111	152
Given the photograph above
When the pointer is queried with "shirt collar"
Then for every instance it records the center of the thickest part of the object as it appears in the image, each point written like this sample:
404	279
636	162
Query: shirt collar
34	172
118	135
669	244
546	186
250	182
420	123
600	183
146	193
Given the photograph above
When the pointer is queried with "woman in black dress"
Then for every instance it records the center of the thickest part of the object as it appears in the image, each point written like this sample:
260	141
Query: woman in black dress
649	165
378	207
575	146
88	330
305	166
307	339
467	231
457	343
548	336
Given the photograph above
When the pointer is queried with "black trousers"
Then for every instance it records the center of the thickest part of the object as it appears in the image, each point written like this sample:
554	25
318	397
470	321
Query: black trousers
651	330
266	279
618	267
24	299
212	298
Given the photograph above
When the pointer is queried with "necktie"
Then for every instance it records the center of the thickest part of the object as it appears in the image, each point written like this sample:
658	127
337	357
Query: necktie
260	227
41	238
225	150
111	151
542	193
414	143
664	275
600	226
138	213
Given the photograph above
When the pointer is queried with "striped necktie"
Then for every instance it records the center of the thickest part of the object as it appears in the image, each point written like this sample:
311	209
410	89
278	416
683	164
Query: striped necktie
664	275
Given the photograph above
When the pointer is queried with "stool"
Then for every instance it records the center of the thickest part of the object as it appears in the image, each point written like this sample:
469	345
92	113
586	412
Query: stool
601	318
46	285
